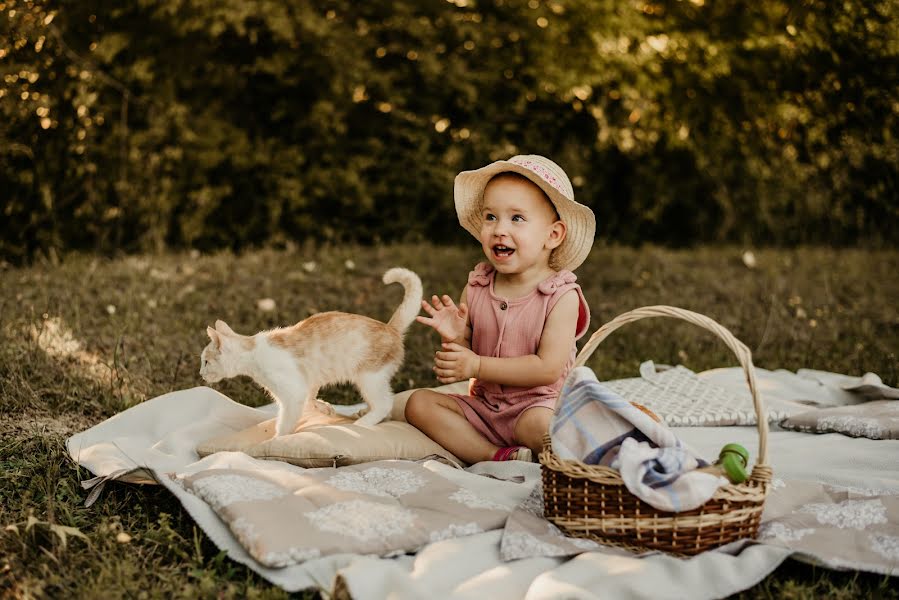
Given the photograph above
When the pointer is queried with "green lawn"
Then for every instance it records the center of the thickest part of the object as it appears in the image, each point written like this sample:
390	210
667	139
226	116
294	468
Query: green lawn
87	338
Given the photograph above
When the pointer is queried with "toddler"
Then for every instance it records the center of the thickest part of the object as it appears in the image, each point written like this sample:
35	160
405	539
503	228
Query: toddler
513	332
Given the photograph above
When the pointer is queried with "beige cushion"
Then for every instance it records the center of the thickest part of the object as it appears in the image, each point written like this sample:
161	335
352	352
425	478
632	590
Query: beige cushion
331	445
334	440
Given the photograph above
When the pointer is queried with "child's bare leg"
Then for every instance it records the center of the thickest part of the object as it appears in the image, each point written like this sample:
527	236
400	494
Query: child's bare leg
532	425
441	419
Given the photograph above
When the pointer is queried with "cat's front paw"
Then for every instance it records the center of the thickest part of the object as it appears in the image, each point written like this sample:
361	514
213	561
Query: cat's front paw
372	417
282	429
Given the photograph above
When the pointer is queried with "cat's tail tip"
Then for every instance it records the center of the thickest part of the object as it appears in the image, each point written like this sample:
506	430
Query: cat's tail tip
411	305
398	275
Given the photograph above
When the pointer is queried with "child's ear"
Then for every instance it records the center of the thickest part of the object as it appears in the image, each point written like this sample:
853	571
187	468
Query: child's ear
223	327
556	235
214	336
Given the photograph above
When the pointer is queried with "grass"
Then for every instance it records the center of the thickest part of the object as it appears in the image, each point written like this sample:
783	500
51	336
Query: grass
87	338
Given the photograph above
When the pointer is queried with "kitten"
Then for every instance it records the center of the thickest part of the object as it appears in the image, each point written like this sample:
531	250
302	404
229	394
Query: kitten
292	363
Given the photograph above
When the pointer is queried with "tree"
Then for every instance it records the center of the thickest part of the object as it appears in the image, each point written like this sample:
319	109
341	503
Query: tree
188	124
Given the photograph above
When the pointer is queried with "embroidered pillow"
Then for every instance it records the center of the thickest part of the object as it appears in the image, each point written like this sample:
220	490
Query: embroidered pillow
383	508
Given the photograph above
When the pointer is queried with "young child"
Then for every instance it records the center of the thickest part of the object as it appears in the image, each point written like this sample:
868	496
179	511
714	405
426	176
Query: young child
517	320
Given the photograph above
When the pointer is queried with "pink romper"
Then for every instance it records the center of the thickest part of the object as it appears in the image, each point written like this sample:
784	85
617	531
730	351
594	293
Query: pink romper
510	328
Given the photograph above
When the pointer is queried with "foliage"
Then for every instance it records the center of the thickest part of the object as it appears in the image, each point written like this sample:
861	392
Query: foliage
193	124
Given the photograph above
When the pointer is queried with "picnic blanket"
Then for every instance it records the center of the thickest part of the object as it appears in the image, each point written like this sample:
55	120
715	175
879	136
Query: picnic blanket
828	488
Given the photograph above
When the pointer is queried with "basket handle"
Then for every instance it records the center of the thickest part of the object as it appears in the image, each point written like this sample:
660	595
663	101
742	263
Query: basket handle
739	349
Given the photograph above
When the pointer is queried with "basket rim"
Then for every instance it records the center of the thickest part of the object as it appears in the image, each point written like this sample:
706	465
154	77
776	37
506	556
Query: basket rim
743	354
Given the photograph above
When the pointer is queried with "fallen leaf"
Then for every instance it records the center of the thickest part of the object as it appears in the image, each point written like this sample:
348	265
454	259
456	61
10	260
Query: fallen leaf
749	259
31	522
159	274
62	531
186	291
266	304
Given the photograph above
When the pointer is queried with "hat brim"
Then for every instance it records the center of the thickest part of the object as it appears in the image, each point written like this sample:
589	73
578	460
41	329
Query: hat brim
580	222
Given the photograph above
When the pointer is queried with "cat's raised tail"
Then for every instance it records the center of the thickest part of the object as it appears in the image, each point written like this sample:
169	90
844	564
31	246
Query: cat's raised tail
411	305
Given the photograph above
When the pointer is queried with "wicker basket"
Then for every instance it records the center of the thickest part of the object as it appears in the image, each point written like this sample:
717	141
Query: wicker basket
591	501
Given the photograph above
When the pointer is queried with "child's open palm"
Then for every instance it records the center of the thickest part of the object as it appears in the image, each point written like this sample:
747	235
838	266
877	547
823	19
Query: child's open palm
447	319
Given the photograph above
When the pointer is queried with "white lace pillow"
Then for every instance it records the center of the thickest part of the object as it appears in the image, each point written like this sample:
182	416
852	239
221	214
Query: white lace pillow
682	399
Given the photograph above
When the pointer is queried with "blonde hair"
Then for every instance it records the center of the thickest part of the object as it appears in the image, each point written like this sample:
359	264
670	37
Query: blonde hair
519	176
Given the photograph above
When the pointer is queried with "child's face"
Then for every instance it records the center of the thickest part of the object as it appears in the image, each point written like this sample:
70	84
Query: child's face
519	226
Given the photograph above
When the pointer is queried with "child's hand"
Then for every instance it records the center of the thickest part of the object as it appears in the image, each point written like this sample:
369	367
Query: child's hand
446	318
456	363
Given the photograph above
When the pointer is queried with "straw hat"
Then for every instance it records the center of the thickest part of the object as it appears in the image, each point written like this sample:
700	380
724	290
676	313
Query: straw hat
579	219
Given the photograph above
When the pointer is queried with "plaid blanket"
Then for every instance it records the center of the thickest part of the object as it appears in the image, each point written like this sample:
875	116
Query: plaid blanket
596	426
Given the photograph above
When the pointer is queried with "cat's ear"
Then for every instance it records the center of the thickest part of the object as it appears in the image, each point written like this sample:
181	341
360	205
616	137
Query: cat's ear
223	327
214	336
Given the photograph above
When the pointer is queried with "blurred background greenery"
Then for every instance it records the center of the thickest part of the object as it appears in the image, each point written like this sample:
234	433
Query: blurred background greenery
147	125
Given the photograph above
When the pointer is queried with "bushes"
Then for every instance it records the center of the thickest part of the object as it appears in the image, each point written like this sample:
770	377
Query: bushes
184	123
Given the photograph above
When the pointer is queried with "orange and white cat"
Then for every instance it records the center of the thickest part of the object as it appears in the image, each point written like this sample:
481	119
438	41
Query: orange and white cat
292	363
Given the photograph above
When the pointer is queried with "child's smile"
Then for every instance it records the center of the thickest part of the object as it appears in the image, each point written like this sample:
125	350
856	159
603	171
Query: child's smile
500	251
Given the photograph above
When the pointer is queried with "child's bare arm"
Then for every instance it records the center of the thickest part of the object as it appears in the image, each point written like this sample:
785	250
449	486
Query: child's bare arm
456	363
447	319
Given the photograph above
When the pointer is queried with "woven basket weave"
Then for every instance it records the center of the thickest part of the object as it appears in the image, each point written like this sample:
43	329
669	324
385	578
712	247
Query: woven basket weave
592	501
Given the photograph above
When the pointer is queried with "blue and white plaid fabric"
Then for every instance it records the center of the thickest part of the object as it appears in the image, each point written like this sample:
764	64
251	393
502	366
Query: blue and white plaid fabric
596	426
